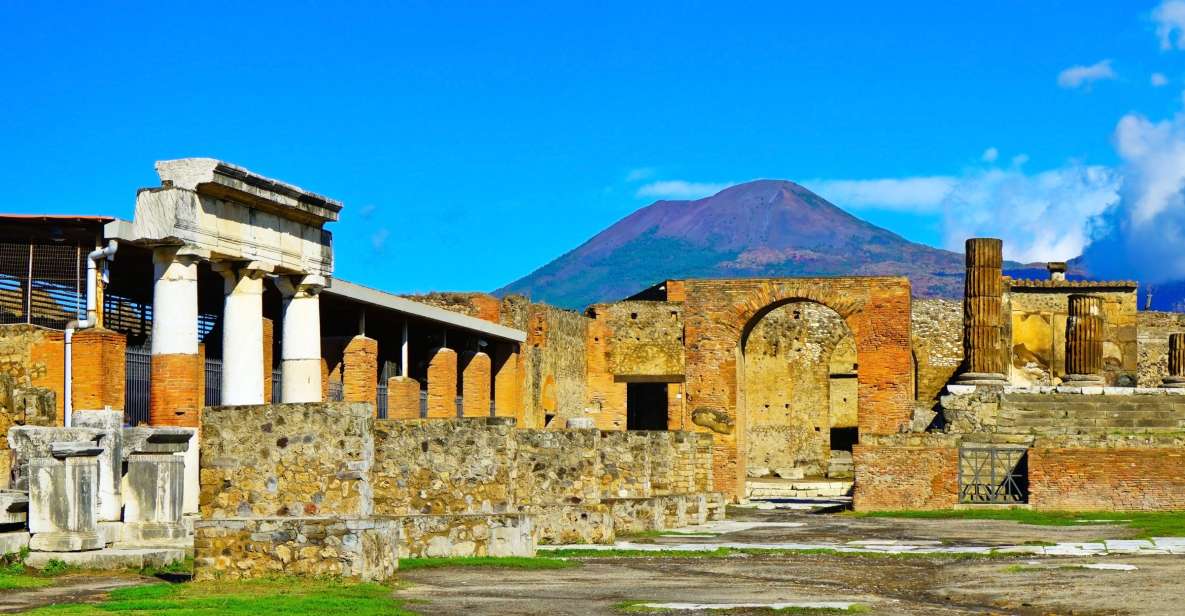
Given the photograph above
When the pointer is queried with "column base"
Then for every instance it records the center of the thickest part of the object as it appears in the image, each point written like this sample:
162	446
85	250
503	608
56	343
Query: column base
1174	382
65	542
1083	380
981	378
153	534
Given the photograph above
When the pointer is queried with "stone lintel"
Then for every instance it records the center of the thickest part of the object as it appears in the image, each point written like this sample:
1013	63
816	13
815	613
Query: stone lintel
222	180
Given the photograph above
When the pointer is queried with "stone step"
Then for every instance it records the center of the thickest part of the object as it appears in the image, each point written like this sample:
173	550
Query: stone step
803	488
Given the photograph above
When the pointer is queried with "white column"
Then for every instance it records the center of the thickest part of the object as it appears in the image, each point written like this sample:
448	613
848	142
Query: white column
174	302
300	348
242	333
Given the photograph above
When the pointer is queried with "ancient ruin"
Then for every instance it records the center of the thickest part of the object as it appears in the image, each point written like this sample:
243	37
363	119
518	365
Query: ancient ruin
212	388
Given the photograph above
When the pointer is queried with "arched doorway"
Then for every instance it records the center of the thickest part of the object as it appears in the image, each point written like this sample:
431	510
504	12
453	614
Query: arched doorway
798	364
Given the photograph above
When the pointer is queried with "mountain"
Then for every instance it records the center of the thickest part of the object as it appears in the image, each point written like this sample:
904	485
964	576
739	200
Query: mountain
761	228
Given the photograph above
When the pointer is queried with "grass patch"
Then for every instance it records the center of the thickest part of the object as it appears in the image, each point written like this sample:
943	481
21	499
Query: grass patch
508	562
14	575
1023	569
175	568
1145	523
242	598
742	552
641	607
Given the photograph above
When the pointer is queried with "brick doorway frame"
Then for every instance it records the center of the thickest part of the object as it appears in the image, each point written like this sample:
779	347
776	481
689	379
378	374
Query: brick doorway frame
719	313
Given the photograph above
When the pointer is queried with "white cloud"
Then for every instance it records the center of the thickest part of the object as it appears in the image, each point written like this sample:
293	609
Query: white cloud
1158	79
1170	24
639	174
1019	160
1079	76
378	239
911	194
990	155
1044	216
680	189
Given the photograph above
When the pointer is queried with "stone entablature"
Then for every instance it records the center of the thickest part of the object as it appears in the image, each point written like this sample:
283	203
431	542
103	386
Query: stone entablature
224	212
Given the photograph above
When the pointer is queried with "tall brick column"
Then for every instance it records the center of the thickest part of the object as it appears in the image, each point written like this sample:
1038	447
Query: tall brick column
99	366
442	383
507	399
983	313
269	331
1176	377
360	371
475	384
173	398
1084	341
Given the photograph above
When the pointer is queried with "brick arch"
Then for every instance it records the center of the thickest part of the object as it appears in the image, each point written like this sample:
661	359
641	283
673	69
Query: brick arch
719	313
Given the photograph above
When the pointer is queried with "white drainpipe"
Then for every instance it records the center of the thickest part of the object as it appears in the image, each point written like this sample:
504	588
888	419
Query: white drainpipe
92	261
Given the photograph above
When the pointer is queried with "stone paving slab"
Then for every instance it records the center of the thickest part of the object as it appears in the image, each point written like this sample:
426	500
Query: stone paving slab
109	559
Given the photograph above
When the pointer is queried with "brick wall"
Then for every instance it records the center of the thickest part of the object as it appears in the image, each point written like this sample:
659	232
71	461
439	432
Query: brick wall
268	359
442	383
99	367
403	398
1120	479
507	398
475	384
173	393
360	371
902	477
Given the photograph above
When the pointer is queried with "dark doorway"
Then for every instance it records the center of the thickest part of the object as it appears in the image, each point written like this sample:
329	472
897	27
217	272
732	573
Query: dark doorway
646	406
842	439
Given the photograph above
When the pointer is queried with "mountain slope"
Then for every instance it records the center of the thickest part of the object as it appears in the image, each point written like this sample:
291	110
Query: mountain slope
761	228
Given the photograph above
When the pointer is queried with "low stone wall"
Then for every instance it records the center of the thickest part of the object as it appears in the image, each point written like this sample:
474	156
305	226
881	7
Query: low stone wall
1107	478
363	549
286	460
625	464
920	475
557	467
507	534
444	467
566	524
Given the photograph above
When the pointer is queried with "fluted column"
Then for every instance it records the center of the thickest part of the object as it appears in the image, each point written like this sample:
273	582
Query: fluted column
1176	377
983	313
1084	341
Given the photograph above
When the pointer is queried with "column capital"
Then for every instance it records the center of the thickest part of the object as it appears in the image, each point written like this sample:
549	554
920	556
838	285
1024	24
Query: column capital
185	254
300	284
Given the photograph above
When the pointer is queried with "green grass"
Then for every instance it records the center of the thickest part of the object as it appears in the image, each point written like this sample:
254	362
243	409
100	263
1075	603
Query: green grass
14	575
742	552
640	607
1145	523
288	596
509	562
177	567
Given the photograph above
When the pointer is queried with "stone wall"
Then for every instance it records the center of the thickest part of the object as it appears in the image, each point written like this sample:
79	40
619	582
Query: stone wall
557	467
1107	479
286	460
625	464
937	346
1153	342
1038	330
33	357
553	361
444	467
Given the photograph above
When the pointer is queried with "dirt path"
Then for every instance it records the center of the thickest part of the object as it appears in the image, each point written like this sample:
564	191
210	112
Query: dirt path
67	589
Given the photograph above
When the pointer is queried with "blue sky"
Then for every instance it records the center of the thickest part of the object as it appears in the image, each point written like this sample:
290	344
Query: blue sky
473	142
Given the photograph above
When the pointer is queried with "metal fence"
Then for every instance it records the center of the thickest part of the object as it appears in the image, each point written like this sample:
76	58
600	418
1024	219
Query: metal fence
137	376
381	399
993	474
41	283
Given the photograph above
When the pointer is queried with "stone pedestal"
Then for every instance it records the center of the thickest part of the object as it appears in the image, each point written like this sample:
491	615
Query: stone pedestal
1084	341
29	443
154	487
1176	376
983	310
62	499
111	461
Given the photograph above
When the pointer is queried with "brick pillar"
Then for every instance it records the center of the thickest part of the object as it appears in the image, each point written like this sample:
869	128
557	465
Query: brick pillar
360	371
403	398
442	383
507	398
1084	341
268	332
173	398
99	365
1176	377
201	375
475	384
983	313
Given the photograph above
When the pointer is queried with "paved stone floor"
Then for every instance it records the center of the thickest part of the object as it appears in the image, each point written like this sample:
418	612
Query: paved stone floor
1099	573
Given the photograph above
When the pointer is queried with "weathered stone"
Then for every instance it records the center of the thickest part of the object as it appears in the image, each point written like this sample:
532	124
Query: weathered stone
62	503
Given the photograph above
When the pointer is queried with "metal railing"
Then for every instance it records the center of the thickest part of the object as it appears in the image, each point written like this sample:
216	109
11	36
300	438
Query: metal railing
41	282
993	474
137	378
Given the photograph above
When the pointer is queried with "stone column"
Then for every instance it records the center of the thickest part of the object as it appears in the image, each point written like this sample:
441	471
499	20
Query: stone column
62	491
173	394
300	347
983	313
1084	341
242	333
1176	377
